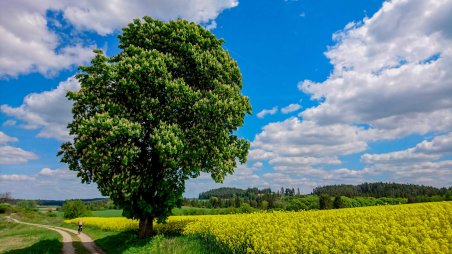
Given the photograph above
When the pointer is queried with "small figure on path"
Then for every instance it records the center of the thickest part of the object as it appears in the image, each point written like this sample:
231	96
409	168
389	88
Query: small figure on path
80	226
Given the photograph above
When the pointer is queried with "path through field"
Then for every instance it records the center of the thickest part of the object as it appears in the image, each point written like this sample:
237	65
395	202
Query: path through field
86	241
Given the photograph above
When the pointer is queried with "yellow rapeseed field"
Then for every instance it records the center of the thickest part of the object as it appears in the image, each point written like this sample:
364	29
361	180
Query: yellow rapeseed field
107	223
414	228
175	224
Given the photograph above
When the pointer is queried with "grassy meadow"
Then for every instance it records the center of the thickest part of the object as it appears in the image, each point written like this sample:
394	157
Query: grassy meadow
23	239
107	213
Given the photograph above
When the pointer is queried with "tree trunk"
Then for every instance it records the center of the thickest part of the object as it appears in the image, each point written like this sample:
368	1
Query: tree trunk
146	227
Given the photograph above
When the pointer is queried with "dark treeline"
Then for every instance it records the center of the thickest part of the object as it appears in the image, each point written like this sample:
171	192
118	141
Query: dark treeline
225	192
228	192
234	197
91	204
378	190
325	197
61	202
99	204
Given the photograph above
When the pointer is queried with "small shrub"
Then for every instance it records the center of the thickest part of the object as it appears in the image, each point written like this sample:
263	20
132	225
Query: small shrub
75	208
5	208
325	202
51	214
27	205
172	228
246	208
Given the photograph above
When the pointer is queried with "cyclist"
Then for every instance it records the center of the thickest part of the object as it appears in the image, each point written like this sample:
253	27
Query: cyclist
80	226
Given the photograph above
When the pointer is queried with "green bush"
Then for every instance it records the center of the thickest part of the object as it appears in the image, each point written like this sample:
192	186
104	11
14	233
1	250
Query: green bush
339	203
27	205
5	208
393	201
325	202
174	228
448	195
75	208
246	208
51	214
308	202
264	205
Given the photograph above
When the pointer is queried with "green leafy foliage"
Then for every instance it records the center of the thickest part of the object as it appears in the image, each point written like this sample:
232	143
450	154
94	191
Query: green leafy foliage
27	205
5	208
308	202
161	111
325	202
75	208
97	205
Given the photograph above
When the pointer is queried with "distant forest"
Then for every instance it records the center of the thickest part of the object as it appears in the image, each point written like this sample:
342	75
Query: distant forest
324	197
61	202
378	190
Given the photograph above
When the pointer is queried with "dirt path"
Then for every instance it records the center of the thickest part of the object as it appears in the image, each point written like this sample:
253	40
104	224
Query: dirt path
86	241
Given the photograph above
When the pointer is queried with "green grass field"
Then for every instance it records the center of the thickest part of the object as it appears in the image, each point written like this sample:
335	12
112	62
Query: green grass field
128	243
23	239
107	213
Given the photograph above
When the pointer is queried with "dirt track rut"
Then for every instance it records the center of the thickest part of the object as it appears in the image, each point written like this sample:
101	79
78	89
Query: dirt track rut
68	248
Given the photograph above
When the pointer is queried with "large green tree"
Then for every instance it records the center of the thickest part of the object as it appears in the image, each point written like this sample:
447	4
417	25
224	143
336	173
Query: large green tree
160	112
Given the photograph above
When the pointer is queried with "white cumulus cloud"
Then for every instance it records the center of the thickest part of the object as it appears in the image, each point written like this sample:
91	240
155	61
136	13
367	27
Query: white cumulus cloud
106	16
13	155
28	45
30	42
290	108
49	111
14	178
59	183
5	138
439	147
294	137
391	71
265	112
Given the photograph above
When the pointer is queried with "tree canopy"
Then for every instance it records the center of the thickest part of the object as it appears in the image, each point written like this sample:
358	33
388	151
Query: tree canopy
224	192
75	208
160	112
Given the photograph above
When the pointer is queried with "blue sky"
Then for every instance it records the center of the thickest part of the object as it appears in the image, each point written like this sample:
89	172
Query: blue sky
342	91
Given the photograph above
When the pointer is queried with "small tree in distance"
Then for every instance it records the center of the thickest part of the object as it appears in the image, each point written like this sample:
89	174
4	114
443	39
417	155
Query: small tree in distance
6	197
160	112
325	202
74	208
28	205
338	203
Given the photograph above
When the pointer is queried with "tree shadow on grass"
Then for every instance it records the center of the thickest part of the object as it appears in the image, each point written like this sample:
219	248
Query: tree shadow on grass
119	243
41	247
173	244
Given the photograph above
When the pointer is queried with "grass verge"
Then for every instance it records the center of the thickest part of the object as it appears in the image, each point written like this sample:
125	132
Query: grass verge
128	243
117	242
20	239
